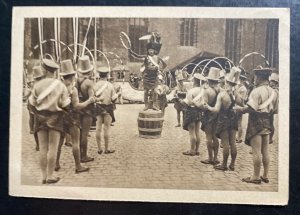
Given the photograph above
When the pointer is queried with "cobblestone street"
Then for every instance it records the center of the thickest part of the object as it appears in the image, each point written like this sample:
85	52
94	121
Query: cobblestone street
147	163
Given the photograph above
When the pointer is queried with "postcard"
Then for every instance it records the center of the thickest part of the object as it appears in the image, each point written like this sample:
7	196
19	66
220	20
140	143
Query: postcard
156	104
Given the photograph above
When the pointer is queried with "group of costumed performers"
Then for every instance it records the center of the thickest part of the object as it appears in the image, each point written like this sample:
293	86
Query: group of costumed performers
58	107
217	102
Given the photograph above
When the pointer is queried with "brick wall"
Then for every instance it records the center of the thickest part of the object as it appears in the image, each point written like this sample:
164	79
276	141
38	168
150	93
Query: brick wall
211	38
253	39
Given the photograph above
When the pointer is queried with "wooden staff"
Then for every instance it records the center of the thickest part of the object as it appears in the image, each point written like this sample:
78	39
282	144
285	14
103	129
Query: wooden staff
75	37
56	39
95	40
40	21
74	56
42	29
85	38
95	47
25	77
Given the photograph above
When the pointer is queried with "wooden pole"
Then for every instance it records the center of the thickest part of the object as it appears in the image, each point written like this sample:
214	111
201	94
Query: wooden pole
95	40
85	37
95	47
58	40
40	20
74	29
55	37
75	37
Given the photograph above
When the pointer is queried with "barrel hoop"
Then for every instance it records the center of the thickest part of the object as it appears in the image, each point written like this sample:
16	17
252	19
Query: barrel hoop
150	129
150	137
151	115
151	119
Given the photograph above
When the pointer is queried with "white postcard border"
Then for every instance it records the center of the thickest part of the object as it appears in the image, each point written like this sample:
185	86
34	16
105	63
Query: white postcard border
155	195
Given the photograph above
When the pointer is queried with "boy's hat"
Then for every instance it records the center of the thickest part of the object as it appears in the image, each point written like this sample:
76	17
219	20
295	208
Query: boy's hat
103	69
213	74
234	75
274	77
37	72
84	64
49	65
67	68
263	72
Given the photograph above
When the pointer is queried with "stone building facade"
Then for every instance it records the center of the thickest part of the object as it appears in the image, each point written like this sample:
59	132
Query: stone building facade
181	38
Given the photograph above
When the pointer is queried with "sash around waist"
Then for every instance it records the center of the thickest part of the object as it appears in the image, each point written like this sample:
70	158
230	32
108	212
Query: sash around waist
43	112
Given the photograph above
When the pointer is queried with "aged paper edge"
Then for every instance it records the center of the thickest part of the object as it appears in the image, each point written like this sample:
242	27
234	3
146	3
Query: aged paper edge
152	195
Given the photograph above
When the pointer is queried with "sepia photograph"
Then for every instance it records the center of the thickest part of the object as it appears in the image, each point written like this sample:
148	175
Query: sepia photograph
150	104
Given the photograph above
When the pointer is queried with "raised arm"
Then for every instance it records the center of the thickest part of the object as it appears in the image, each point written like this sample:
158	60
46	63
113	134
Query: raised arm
136	55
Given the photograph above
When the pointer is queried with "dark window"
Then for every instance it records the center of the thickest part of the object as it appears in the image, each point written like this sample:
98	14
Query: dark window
272	43
47	34
67	37
138	27
188	32
91	43
34	37
233	39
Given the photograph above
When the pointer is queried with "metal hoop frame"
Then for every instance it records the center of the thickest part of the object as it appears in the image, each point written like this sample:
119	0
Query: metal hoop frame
214	60
118	57
78	44
46	54
102	53
188	65
122	41
205	60
43	42
254	53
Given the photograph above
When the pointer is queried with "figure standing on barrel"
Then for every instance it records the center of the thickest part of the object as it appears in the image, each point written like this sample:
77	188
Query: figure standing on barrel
151	68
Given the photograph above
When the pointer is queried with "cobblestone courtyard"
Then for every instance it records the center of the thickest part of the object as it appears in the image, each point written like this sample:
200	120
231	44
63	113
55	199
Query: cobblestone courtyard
147	163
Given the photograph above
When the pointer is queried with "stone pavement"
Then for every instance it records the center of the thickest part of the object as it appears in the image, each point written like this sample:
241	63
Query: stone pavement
147	163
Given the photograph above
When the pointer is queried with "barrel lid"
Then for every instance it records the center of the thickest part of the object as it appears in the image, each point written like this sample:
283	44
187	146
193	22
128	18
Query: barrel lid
150	114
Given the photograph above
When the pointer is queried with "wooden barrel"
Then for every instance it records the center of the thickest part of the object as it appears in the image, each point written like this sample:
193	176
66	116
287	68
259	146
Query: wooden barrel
150	124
